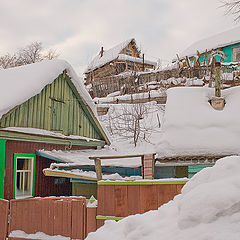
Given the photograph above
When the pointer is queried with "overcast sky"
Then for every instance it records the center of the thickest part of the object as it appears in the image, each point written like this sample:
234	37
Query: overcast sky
78	28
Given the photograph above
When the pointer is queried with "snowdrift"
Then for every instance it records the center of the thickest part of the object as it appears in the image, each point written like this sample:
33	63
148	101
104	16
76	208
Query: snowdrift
192	127
207	208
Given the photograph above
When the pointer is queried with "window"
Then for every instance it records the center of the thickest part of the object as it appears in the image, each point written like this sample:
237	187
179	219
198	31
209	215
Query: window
24	167
130	66
129	52
236	54
120	67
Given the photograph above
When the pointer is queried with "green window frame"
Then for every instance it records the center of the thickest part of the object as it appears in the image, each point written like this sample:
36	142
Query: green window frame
33	166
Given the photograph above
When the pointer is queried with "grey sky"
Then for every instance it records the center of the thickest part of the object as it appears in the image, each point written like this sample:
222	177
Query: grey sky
78	28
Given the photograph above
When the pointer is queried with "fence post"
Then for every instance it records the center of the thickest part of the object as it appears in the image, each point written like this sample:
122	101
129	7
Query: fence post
4	208
98	168
148	164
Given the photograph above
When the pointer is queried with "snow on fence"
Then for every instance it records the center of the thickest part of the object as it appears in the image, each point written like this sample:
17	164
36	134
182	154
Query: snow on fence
65	217
123	198
4	206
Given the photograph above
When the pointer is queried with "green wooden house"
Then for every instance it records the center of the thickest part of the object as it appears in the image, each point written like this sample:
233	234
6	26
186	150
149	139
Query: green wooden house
228	42
42	106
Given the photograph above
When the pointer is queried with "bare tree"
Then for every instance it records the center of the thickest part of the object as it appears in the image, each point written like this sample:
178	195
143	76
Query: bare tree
32	53
132	121
51	54
8	61
232	8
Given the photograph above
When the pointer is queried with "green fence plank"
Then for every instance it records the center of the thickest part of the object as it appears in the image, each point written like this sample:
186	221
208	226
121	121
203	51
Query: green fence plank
99	217
140	182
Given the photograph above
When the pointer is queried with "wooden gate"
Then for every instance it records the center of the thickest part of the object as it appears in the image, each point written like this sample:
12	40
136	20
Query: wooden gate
4	206
52	216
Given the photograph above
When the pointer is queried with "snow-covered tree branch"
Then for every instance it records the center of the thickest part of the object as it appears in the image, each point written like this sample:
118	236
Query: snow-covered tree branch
31	53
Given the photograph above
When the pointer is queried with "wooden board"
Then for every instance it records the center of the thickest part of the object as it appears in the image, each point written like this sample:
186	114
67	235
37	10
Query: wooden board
121	201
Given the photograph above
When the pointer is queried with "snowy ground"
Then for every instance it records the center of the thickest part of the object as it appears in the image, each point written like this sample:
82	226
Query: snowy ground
207	208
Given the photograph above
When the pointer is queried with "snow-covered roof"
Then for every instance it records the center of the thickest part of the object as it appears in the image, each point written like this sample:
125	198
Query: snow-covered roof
135	59
21	83
108	56
81	157
191	127
219	40
112	54
37	131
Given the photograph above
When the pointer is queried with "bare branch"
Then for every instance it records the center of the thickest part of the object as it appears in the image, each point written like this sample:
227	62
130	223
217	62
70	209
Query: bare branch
32	53
232	7
51	54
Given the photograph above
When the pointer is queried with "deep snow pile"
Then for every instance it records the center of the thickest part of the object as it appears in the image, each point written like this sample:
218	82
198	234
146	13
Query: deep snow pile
208	208
192	127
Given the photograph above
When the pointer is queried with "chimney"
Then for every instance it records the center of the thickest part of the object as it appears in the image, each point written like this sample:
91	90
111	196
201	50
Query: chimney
101	52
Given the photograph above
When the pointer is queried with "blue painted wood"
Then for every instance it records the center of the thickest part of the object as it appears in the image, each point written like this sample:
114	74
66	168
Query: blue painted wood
164	172
75	180
192	170
47	156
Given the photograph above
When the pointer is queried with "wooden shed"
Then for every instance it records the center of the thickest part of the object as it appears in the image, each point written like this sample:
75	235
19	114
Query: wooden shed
42	106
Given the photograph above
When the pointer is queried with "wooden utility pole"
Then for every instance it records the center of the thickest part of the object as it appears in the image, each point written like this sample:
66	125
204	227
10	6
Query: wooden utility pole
217	79
212	69
178	61
143	63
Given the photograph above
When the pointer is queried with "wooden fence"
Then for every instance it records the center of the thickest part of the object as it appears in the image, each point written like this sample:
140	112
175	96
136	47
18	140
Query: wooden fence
4	206
70	217
65	216
130	83
120	199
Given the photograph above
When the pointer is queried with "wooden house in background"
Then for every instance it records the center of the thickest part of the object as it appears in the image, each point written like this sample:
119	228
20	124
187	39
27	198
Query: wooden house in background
124	57
42	106
228	42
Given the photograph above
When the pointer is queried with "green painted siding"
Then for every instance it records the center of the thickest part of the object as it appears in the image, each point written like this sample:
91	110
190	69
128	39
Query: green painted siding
227	50
58	107
192	170
2	166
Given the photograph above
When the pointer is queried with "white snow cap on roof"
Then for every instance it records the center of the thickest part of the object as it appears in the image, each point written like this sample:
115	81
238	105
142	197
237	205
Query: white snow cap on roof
112	54
219	40
135	59
192	127
21	83
108	56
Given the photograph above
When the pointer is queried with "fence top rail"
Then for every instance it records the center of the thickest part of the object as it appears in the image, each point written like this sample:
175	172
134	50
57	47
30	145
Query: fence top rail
120	156
144	182
52	198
